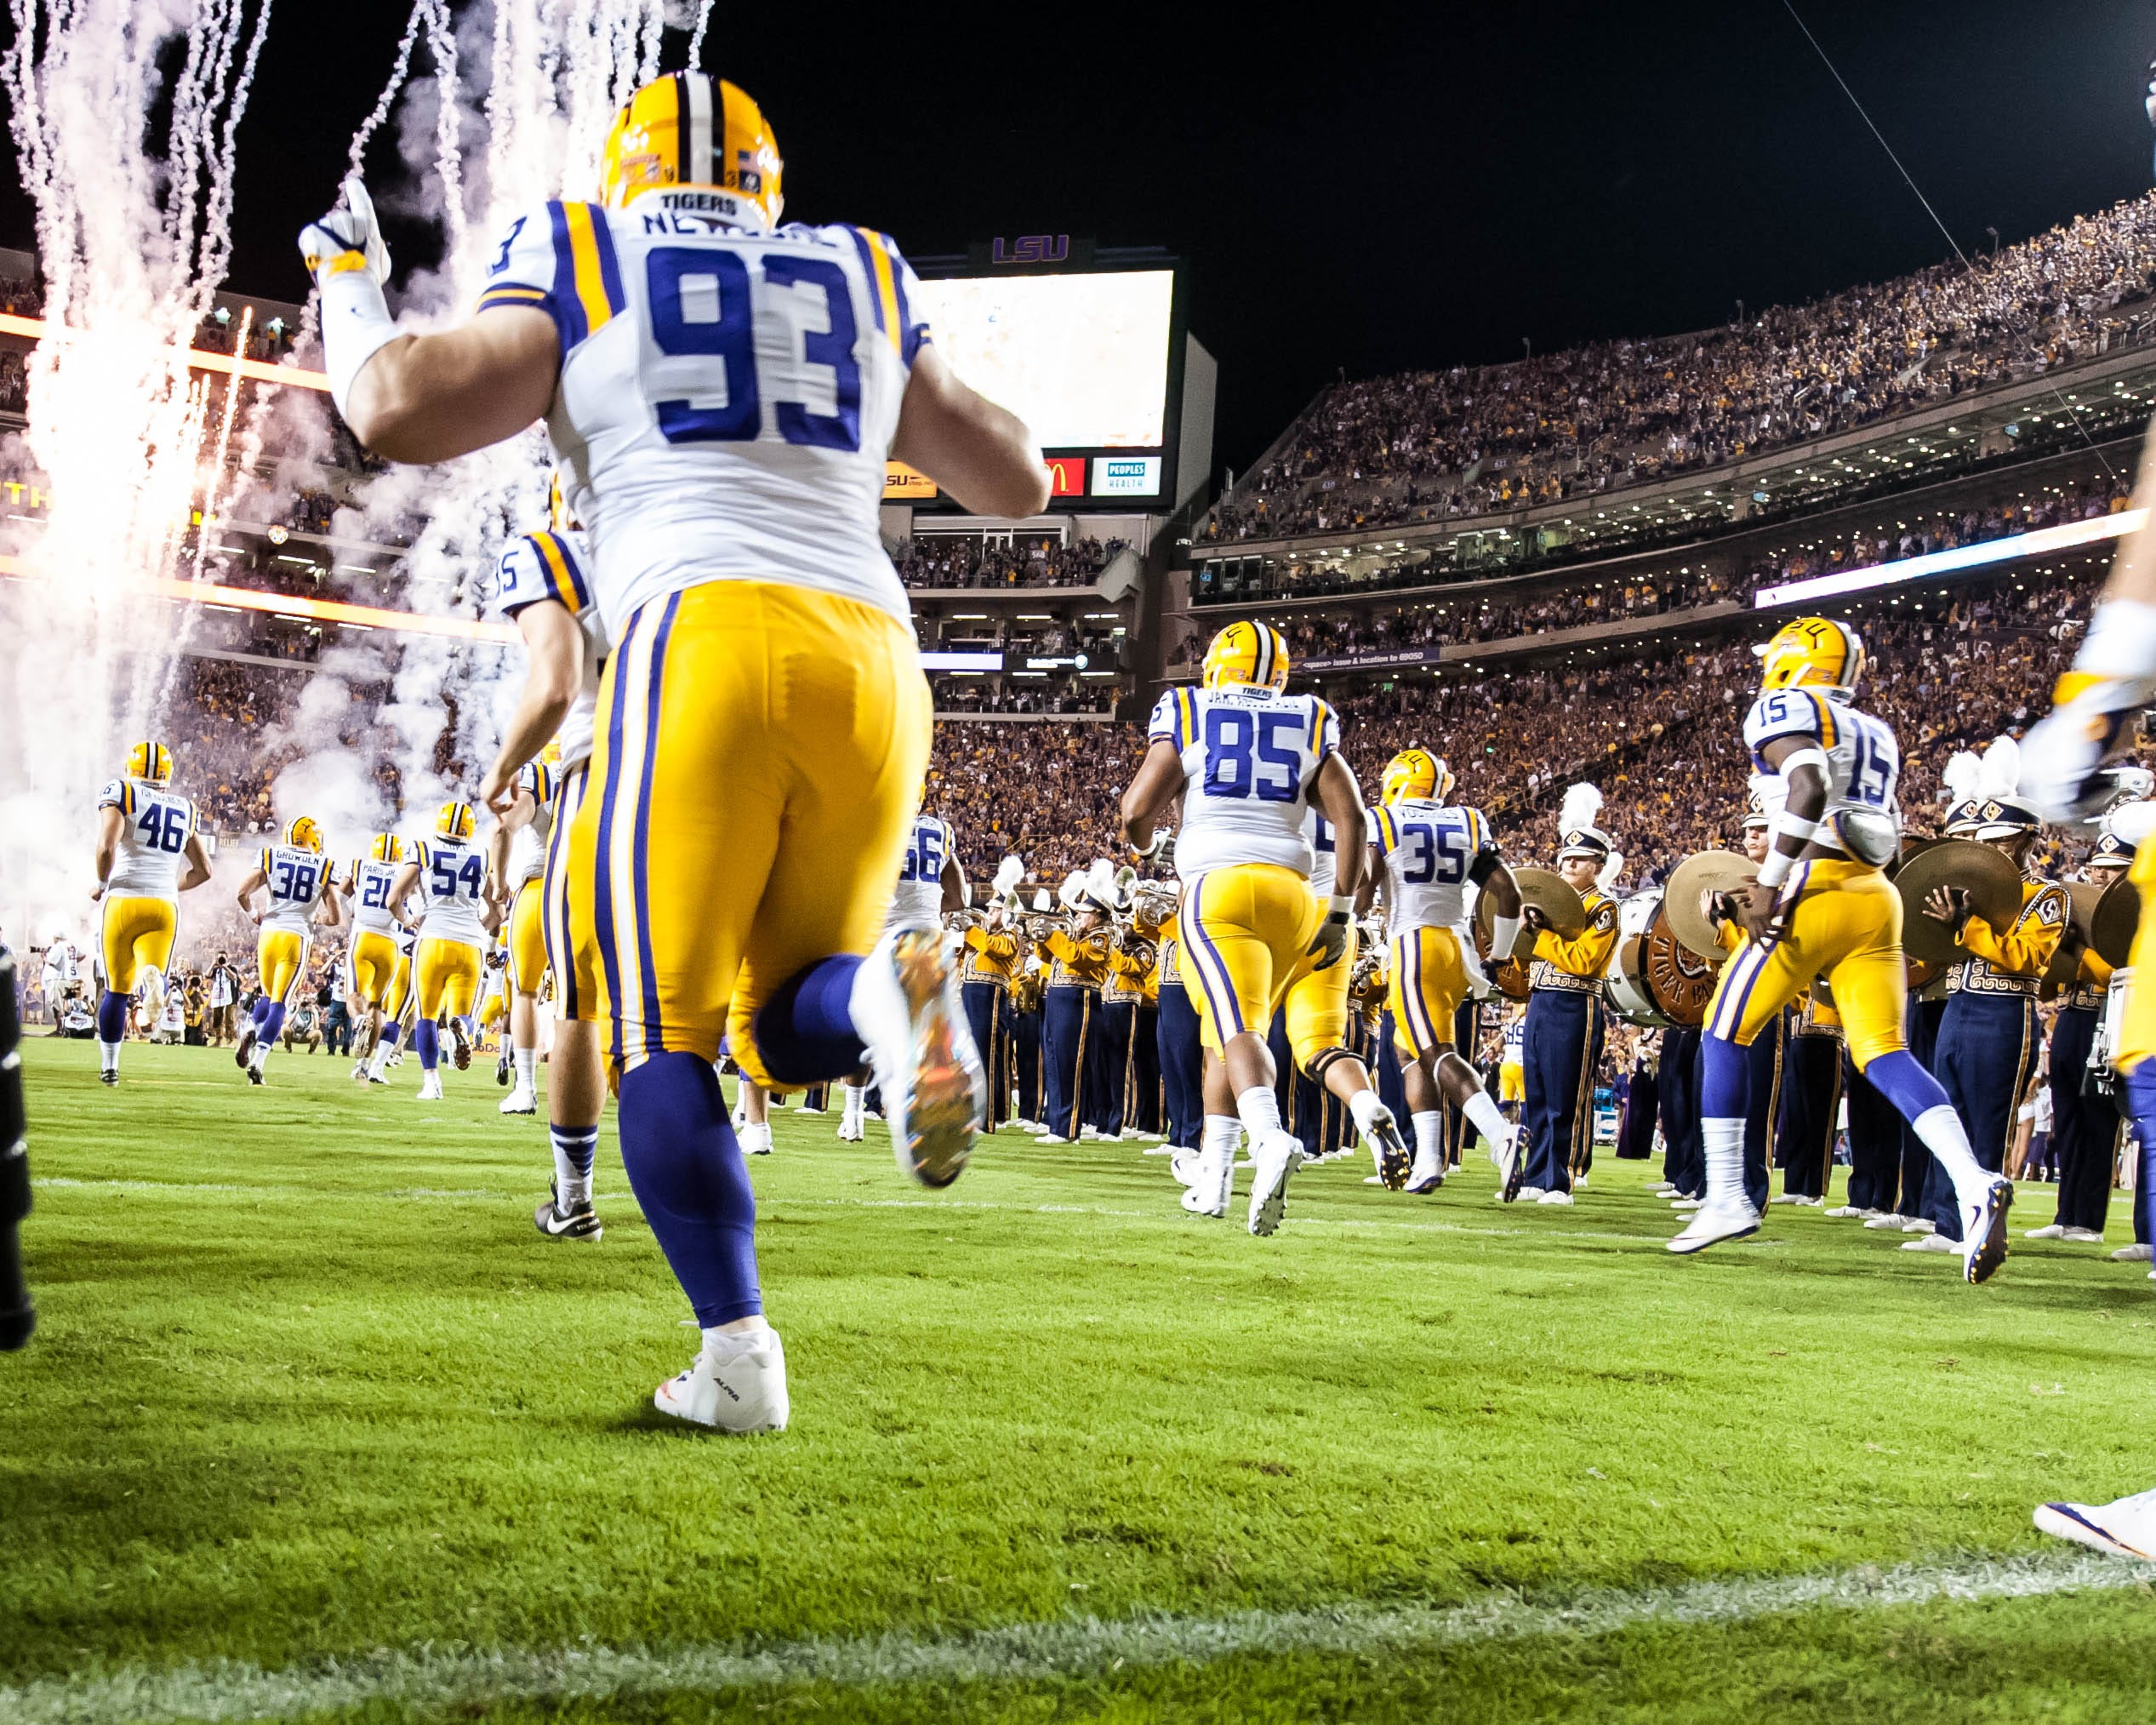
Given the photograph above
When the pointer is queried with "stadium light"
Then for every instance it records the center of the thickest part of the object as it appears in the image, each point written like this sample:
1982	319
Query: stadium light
2063	537
36	329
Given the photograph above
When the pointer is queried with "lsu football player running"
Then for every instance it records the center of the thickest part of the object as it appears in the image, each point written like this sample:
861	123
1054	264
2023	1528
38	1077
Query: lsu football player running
1821	907
300	881
1429	850
370	965
723	394
449	873
1249	762
148	853
516	863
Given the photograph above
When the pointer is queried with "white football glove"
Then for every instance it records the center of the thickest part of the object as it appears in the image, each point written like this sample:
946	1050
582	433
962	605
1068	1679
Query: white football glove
347	238
2063	759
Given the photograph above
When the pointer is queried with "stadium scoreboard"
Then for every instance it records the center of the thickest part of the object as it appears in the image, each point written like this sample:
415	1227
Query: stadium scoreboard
1084	345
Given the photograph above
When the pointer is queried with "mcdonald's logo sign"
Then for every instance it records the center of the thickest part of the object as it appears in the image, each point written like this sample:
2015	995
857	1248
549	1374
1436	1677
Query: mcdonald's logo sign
1067	476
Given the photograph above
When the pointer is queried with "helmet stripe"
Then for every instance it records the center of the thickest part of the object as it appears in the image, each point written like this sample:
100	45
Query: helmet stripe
699	163
1262	672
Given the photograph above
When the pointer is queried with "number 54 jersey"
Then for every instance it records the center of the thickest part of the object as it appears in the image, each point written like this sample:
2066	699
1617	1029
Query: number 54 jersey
1250	756
1864	762
727	399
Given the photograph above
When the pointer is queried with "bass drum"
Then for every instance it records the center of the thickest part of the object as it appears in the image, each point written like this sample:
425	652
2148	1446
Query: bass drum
1654	979
1624	986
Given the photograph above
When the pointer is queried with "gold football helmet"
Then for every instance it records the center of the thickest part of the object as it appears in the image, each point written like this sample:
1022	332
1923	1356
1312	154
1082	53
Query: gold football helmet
455	820
1418	774
1248	653
690	129
302	832
387	847
151	762
1812	652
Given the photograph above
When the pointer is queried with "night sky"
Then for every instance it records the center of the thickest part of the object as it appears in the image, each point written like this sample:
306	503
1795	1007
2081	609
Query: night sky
1426	186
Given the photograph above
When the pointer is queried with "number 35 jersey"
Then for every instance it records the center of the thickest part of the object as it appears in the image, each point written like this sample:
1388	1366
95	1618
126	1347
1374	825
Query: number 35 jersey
1864	762
1250	756
1428	848
727	399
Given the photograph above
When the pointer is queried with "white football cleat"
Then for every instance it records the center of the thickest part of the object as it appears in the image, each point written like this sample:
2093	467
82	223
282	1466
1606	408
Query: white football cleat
738	1384
520	1101
1273	1160
1389	1155
1555	1195
906	1008
1212	1183
851	1132
429	1088
1712	1224
1512	1167
2082	1237
1426	1176
1931	1242
2132	1255
2126	1528
2050	1231
1983	1232
756	1140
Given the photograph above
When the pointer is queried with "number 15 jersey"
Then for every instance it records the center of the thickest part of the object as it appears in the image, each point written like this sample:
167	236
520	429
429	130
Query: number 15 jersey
1250	758
727	399
1864	762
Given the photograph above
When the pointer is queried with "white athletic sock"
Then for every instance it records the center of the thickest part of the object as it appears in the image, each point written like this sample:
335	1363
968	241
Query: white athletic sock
1364	1107
260	1057
108	1056
1223	1133
1429	1139
728	1343
1259	1110
759	1134
1942	1133
856	1102
1725	1143
527	1064
379	1058
1484	1116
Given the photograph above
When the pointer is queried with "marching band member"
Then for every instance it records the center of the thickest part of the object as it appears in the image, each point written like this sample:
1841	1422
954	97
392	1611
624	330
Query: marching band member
1429	849
1819	907
1077	959
148	853
1563	1033
1143	1097
1248	760
2085	1120
993	947
1808	1112
1022	1019
1989	1038
1182	1054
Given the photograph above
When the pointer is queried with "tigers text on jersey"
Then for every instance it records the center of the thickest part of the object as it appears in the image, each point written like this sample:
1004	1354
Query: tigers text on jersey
557	566
1428	848
917	902
1864	762
298	879
453	880
527	844
371	881
154	830
727	399
1250	756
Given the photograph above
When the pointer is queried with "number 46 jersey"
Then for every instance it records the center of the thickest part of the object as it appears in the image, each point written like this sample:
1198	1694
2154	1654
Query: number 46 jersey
1864	762
727	399
1249	757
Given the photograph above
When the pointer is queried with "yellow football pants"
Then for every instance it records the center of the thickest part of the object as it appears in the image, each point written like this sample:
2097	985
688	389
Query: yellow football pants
1246	931
527	938
398	1002
1512	1083
374	959
447	975
760	751
554	900
1429	979
280	960
1847	927
2137	1019
137	935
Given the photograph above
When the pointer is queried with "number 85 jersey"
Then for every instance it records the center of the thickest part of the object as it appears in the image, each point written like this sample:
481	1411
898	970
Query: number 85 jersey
727	399
1864	762
1249	757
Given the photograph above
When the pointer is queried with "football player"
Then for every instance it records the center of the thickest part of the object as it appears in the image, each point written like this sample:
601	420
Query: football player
449	873
516	863
148	853
300	881
1249	760
1822	907
724	395
370	967
932	884
1429	848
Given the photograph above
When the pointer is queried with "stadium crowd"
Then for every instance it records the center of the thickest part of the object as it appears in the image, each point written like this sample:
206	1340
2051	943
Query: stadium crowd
955	559
1422	446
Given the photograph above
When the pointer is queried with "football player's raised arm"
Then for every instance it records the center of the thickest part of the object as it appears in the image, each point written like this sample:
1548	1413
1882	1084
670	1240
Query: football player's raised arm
425	398
553	673
197	855
1159	777
981	454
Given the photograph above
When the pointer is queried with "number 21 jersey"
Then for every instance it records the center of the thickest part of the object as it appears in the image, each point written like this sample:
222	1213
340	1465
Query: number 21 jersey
1250	756
727	399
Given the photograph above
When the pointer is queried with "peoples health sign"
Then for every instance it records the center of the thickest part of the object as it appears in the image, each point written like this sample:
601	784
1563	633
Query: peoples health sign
1126	476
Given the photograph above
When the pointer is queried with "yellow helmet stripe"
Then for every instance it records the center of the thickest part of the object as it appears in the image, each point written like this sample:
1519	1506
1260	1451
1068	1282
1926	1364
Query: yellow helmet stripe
693	165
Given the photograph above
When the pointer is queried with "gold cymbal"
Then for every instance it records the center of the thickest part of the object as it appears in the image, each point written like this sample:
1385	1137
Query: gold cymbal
2112	925
1562	908
1988	876
1683	900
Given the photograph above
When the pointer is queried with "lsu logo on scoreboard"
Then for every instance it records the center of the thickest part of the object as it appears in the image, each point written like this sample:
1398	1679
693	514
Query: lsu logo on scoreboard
1032	248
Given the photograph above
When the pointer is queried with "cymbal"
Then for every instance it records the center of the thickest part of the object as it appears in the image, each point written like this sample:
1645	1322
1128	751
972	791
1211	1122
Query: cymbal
1683	899
1991	880
1562	908
2117	915
2059	974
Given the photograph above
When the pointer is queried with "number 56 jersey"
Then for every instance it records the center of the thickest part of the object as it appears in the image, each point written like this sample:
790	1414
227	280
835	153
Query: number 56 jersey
1864	762
1249	757
727	399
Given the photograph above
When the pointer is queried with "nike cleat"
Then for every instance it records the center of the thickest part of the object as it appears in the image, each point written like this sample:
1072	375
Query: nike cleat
1273	1160
1983	1232
108	1078
581	1223
520	1101
1390	1153
460	1045
738	1384
906	1008
1512	1168
244	1051
2126	1528
254	1076
501	1068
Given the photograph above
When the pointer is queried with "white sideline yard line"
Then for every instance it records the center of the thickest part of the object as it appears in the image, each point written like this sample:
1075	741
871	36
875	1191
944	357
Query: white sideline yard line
441	1678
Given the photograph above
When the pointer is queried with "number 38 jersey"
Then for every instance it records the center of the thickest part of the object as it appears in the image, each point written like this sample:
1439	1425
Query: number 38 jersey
1250	756
298	880
727	399
453	880
1428	848
1864	762
154	830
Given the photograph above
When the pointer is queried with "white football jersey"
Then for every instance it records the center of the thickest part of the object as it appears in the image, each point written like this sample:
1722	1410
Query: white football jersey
1427	849
1250	756
154	832
1864	762
557	566
918	900
1325	853
527	844
298	881
371	881
727	399
453	880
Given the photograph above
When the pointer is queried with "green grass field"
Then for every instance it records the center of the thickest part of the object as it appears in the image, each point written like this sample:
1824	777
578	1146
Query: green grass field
316	1425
